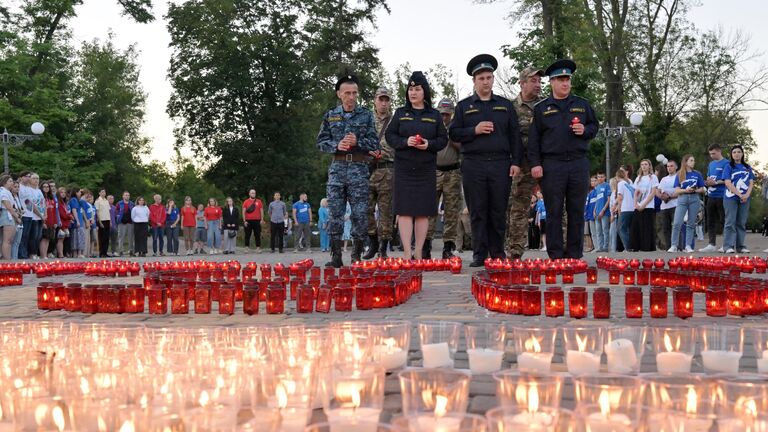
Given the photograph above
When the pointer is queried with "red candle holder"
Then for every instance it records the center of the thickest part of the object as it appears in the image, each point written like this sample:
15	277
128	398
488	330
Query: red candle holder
577	302
343	294
74	299
45	292
251	298
179	300
275	298
514	302
629	277
323	304
108	299
227	299
591	275
550	276
89	297
531	301
328	272
717	301
203	298
456	266
305	302
263	285
643	277
157	298
739	300
535	276
682	300
59	299
601	303
345	271
659	300
554	302
295	287
614	277
633	302
132	299
314	273
567	275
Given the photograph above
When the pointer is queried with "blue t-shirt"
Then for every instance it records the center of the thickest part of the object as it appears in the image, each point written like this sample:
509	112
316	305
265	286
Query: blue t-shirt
302	211
172	216
740	175
74	204
692	179
542	210
603	194
715	172
200	223
589	208
88	211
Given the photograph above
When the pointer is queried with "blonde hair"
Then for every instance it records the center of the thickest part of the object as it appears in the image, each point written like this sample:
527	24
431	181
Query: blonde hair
683	167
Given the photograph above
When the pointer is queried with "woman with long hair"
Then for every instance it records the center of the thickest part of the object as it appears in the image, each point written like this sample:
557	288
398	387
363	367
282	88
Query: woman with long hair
50	220
643	231
416	133
172	227
63	233
140	218
212	215
8	216
625	201
689	183
739	181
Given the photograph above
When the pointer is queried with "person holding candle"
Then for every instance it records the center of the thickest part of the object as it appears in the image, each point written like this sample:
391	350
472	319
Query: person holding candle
140	218
689	183
643	232
172	227
739	181
558	141
188	223
487	127
231	223
417	133
212	214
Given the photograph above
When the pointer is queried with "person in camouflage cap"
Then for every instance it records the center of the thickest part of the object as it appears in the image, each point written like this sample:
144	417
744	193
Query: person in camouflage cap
380	182
523	185
348	133
448	187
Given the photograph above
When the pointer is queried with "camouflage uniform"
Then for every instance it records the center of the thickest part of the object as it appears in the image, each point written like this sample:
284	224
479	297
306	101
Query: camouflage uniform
348	173
449	188
523	185
381	185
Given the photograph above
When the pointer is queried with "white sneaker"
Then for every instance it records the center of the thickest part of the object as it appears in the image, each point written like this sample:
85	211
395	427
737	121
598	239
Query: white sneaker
744	250
708	248
730	250
543	248
673	249
721	250
210	252
688	249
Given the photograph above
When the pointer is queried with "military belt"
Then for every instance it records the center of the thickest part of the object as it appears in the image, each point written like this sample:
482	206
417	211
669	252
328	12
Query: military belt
383	164
449	167
352	157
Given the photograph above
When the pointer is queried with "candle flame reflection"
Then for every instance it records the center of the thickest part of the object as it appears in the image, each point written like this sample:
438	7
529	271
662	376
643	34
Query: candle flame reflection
58	418
582	343
690	401
533	344
605	403
668	343
127	427
441	405
533	399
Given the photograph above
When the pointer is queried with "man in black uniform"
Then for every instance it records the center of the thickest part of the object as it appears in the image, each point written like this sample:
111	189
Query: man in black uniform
487	128
558	140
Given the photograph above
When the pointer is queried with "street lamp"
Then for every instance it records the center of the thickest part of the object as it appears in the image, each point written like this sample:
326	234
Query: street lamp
19	139
636	119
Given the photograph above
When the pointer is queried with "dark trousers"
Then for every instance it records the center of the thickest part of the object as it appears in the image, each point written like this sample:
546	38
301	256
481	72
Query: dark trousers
565	181
715	218
486	190
140	237
26	234
666	217
104	231
276	236
253	226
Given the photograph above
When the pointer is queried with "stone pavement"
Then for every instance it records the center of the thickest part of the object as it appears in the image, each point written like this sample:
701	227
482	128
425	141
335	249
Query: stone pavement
444	297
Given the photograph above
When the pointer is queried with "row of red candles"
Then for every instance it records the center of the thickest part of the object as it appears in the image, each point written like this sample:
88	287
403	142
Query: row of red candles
310	296
11	278
748	298
731	264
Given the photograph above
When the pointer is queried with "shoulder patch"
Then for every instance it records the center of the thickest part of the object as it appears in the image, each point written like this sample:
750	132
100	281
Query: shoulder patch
500	108
405	118
551	111
428	120
471	111
334	118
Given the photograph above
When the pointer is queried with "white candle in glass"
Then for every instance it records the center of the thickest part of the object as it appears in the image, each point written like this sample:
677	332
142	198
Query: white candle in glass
534	362
762	363
673	362
532	418
436	355
360	419
484	360
622	357
581	362
434	423
605	420
389	355
721	361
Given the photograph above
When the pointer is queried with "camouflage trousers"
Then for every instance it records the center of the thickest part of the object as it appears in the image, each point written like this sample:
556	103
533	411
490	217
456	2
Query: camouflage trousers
380	193
347	182
449	188
517	213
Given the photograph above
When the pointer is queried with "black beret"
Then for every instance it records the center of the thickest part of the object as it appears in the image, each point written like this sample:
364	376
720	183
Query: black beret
417	79
482	62
349	78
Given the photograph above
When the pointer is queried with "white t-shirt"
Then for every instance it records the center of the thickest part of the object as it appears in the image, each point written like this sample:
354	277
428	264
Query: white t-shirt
6	195
627	192
645	185
667	184
140	214
27	196
612	201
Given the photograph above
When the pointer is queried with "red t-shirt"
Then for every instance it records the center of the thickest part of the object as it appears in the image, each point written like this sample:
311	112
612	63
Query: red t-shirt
256	214
212	213
50	212
188	215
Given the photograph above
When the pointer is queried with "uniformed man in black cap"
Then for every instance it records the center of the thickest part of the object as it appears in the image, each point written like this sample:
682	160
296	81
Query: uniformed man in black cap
558	141
487	128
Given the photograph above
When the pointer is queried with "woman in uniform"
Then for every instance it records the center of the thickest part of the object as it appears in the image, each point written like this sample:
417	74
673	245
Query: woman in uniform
417	133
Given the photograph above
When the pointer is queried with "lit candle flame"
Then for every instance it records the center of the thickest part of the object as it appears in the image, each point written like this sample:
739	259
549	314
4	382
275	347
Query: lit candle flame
582	343
690	401
668	343
605	403
355	397
40	412
532	344
58	418
533	399
128	427
204	399
441	405
282	396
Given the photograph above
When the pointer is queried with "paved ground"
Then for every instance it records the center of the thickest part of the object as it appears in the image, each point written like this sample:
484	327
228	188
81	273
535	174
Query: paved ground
444	297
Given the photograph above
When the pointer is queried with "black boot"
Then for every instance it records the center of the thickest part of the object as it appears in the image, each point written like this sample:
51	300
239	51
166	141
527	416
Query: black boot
383	246
357	250
448	249
426	250
335	261
373	247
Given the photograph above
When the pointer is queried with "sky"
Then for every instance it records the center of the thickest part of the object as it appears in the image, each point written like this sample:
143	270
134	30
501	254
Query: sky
422	32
